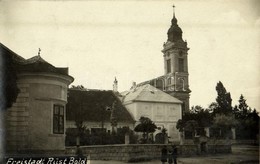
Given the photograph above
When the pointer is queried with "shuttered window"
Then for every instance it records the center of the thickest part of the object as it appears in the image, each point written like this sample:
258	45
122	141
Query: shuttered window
58	119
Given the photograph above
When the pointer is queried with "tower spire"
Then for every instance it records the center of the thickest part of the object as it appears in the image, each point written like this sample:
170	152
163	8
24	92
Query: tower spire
115	85
39	51
173	6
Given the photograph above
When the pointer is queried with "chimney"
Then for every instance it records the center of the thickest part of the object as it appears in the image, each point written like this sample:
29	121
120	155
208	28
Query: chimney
115	86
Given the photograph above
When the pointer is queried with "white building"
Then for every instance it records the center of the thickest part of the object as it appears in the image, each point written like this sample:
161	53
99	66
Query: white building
163	109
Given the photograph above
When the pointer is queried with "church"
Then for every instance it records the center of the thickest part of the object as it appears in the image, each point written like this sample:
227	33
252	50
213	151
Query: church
175	80
163	99
44	93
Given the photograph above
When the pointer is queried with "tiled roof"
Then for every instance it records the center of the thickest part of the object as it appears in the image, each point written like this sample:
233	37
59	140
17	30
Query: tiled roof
35	59
148	93
37	64
93	105
15	57
34	64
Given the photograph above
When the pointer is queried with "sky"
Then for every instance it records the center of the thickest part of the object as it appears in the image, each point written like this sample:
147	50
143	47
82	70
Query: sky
100	40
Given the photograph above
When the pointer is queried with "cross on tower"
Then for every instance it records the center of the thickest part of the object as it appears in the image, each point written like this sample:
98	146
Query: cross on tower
173	10
39	52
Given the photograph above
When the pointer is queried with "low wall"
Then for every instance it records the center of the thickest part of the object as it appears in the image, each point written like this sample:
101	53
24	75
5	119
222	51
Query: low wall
245	142
141	152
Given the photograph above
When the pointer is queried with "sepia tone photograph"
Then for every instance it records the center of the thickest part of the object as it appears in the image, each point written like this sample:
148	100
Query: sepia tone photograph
112	82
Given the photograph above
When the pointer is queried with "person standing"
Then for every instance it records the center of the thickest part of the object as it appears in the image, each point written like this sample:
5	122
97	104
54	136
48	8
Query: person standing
164	154
174	154
170	157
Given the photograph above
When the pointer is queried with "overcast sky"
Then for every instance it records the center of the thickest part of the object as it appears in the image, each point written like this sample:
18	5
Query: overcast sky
99	40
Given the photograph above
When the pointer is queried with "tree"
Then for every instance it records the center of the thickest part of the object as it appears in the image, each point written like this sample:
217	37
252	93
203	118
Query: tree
113	118
145	126
196	109
225	123
213	106
223	99
243	108
191	126
248	127
180	125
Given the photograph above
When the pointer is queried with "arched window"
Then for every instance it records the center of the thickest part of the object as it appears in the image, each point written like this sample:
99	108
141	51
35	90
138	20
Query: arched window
181	82
160	84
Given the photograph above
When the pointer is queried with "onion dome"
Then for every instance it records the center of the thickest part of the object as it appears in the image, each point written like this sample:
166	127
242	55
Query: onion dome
174	33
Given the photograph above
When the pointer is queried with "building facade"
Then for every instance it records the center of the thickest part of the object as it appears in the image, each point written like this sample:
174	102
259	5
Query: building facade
36	121
163	109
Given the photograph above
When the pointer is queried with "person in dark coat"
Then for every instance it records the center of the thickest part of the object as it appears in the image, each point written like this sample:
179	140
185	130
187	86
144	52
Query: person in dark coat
174	153
164	154
170	157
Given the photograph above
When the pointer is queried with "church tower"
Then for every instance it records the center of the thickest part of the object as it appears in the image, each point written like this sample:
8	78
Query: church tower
175	53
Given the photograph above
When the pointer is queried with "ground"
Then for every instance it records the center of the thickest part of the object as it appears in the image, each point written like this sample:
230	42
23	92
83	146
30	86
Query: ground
240	154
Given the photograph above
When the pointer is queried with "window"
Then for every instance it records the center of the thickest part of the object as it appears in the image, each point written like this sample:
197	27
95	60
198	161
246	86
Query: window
168	64
169	81
58	119
181	65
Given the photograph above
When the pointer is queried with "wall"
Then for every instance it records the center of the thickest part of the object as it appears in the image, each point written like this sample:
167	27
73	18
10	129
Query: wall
136	152
29	121
164	115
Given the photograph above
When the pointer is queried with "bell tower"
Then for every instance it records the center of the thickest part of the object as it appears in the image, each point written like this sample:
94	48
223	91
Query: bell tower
175	54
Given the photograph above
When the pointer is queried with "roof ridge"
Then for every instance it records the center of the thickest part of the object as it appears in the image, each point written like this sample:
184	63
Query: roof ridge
142	88
34	59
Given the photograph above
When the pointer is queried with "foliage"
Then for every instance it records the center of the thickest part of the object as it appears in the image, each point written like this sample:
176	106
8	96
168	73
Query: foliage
213	106
201	115
242	110
100	138
221	117
191	126
223	100
224	123
180	125
10	90
145	126
248	127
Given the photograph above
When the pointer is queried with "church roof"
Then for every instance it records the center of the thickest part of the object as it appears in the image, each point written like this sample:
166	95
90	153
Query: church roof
148	93
93	105
174	32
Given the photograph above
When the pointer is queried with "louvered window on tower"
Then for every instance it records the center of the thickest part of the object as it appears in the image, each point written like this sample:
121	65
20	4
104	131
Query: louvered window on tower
181	65
168	66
